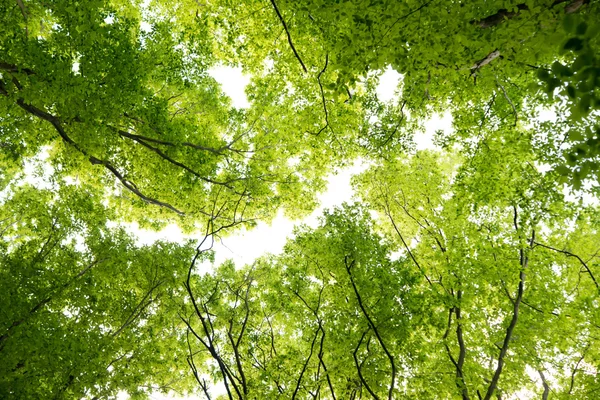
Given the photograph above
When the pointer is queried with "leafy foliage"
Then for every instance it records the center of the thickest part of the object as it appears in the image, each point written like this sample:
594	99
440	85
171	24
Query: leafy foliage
465	272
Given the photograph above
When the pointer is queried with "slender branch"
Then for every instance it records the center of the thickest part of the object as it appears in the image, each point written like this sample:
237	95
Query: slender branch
55	122
359	367
387	31
397	125
568	253
132	187
53	293
572	384
524	262
320	355
509	101
388	213
462	349
165	157
235	344
323	96
139	308
305	366
288	35
373	327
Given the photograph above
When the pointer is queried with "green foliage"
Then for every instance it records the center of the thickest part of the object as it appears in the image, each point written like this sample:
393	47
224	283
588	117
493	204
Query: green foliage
461	273
85	311
579	83
488	286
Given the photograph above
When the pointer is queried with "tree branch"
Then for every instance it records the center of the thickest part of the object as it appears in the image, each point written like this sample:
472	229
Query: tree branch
304	367
323	97
359	368
289	37
524	261
462	349
373	327
568	253
56	123
509	101
545	384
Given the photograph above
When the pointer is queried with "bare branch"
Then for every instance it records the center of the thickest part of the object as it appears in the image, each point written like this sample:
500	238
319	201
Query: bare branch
485	61
545	384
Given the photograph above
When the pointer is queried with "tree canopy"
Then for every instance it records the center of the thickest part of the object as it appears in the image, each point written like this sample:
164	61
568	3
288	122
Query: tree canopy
466	270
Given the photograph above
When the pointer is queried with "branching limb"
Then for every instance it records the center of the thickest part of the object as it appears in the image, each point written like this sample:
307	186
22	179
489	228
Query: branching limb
545	384
139	308
575	369
568	253
359	366
327	125
165	157
524	262
289	37
388	213
56	123
372	326
305	366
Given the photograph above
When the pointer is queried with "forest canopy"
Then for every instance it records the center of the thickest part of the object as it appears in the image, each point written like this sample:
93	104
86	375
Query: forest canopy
466	270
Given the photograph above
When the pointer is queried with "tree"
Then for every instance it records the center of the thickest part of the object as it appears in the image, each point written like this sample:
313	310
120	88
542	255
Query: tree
480	61
464	273
135	112
488	286
85	311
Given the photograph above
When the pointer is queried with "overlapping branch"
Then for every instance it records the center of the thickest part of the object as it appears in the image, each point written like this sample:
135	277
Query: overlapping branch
373	327
524	263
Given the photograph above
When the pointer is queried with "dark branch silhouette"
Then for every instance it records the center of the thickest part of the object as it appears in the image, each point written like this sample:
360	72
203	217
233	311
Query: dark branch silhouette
524	263
289	37
373	327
